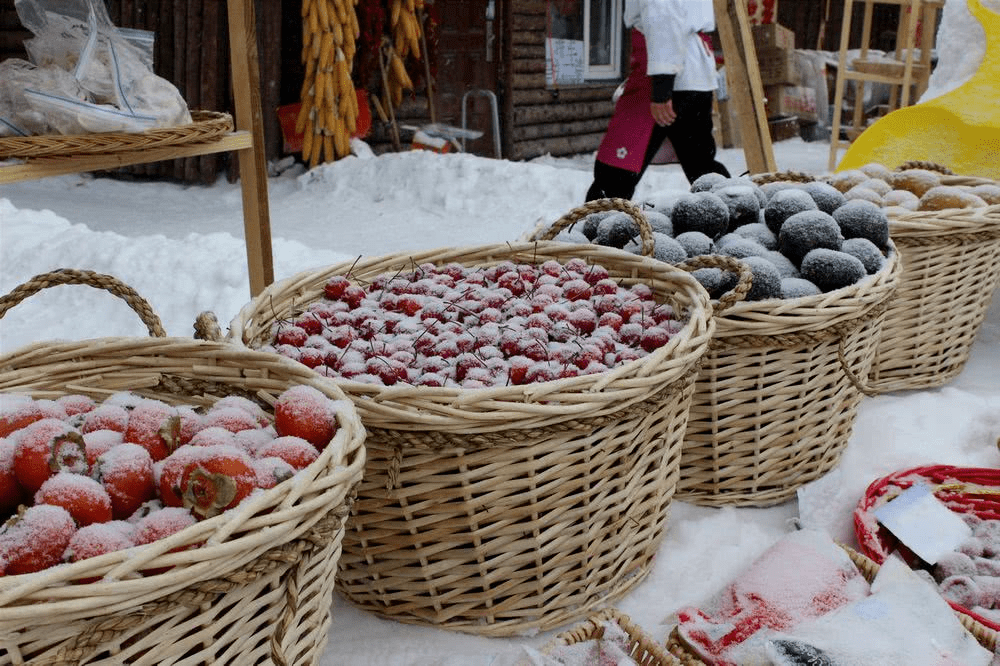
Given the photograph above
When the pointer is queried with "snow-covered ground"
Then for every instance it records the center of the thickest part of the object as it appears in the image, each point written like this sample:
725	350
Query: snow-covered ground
182	248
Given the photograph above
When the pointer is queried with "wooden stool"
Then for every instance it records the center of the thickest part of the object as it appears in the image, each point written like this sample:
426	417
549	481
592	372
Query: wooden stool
907	75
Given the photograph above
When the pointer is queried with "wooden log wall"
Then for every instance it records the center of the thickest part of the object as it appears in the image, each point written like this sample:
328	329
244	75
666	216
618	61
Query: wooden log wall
557	120
192	52
12	33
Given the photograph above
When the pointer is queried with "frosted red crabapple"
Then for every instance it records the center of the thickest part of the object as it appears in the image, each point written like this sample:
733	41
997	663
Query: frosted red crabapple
475	327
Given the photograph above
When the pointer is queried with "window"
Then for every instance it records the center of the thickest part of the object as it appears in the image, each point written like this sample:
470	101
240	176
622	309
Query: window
583	41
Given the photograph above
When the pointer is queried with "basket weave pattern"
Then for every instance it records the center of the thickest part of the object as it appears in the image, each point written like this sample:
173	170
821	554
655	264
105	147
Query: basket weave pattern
951	267
257	586
775	402
205	126
496	511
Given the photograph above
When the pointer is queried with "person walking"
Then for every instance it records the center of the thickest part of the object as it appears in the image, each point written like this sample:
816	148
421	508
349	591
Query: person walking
667	95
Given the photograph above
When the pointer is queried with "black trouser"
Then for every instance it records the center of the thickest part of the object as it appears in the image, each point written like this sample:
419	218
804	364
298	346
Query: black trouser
691	136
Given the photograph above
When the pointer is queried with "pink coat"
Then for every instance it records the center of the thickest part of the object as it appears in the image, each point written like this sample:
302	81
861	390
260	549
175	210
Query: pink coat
627	137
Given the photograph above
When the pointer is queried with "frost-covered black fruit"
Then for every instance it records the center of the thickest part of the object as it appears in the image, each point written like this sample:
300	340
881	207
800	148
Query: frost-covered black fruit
785	203
832	269
738	247
785	266
715	280
707	181
667	249
588	225
863	219
744	206
796	287
696	243
659	222
770	189
758	232
616	230
700	211
766	279
826	196
807	231
662	202
862	248
571	236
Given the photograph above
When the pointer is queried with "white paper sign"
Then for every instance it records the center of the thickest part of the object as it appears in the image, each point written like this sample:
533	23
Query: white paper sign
923	523
564	61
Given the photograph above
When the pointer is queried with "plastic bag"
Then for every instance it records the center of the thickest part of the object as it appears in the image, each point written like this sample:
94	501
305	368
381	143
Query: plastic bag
116	89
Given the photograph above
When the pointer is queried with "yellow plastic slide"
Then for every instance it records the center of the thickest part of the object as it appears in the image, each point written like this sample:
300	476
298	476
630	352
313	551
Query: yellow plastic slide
959	129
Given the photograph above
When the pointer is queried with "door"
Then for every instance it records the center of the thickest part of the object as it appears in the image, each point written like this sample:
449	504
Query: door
467	54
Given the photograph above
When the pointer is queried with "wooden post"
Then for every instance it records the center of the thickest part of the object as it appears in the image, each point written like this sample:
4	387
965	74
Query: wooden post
743	79
252	160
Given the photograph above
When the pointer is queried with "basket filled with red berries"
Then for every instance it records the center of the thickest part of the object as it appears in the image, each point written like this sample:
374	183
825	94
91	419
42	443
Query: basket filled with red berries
779	387
167	500
524	405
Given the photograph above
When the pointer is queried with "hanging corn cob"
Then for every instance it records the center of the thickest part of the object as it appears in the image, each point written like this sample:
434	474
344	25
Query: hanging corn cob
329	110
405	30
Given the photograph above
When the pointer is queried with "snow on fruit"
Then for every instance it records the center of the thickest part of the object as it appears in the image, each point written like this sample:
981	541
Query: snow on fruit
80	478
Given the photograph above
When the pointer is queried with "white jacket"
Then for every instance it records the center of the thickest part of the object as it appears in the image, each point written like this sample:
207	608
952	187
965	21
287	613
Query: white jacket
673	46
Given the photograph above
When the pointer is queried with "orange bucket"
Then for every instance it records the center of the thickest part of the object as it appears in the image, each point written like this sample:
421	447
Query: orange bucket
289	114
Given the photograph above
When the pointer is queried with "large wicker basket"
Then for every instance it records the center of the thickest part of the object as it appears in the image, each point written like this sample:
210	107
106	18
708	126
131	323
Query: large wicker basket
951	267
777	395
502	510
255	588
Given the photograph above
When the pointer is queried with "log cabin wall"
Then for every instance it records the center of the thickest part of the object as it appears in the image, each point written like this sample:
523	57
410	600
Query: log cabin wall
192	52
545	119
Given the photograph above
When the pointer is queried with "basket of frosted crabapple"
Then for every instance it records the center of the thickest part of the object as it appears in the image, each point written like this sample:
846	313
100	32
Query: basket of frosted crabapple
777	395
947	231
968	576
167	500
524	405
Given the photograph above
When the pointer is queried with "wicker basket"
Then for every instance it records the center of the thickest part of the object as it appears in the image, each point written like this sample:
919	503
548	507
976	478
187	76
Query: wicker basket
502	510
974	490
258	587
951	267
778	391
642	648
206	126
984	635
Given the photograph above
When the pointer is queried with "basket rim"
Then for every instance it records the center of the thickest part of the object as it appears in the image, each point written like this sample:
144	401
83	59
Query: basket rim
205	126
585	631
689	343
813	313
330	477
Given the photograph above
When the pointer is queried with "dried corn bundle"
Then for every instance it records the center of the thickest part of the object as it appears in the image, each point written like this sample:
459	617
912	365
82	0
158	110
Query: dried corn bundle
405	29
329	102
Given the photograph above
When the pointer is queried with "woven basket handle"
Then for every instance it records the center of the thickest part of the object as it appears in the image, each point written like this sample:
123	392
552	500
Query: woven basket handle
730	265
72	276
601	205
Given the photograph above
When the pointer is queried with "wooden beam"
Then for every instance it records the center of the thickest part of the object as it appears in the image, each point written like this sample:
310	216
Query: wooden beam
746	92
253	162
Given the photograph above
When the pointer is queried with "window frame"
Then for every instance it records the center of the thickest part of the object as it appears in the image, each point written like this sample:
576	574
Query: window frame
613	70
